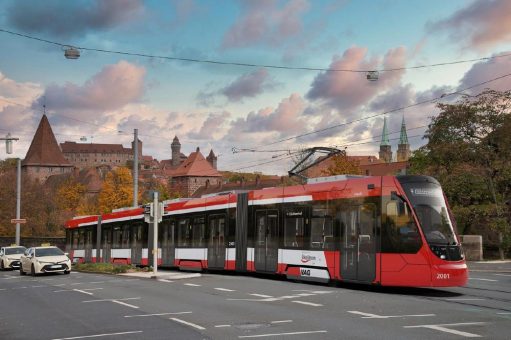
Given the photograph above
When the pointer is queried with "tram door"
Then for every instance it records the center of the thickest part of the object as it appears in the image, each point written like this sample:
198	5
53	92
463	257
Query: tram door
358	258
167	239
216	242
136	244
88	245
266	241
106	242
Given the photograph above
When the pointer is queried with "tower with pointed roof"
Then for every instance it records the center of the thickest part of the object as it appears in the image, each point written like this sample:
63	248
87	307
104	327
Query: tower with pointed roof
212	159
176	152
385	148
403	148
44	157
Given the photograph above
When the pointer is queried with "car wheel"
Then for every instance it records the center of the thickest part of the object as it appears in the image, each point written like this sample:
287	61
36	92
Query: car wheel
67	272
2	266
21	270
32	270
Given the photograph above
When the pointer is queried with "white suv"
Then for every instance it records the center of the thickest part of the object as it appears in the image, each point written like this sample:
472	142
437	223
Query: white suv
10	257
37	260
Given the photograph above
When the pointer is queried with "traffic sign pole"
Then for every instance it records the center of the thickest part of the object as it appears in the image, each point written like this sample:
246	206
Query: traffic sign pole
155	233
18	202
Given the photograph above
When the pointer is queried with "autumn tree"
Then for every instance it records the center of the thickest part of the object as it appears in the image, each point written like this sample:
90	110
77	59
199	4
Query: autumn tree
117	190
70	194
342	165
469	152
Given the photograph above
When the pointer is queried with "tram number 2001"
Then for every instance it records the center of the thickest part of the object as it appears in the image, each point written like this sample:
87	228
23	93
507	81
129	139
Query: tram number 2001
442	276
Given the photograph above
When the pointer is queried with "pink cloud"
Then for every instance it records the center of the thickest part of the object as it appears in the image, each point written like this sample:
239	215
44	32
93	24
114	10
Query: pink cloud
248	85
112	88
482	24
486	70
348	90
265	22
210	126
285	120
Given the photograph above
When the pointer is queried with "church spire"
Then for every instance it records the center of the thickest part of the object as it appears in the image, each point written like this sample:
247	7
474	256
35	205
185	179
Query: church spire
403	138
385	134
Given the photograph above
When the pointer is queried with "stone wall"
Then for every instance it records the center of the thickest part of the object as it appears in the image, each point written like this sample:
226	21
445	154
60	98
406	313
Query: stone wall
473	247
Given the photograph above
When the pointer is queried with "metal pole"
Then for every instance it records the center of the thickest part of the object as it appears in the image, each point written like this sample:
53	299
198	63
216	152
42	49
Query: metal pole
18	201
156	212
135	170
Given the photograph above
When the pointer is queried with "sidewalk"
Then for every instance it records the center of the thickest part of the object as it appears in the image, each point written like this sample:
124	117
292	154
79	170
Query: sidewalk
163	275
490	266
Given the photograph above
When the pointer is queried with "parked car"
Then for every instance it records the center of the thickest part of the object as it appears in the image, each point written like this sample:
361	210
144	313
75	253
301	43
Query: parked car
10	257
48	259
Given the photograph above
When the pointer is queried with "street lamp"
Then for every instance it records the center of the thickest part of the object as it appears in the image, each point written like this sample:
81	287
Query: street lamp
8	148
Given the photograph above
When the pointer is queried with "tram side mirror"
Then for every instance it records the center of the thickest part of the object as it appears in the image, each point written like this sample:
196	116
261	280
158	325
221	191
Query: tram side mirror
394	196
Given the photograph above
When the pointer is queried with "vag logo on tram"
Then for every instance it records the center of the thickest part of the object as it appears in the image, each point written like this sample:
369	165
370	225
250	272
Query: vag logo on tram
305	272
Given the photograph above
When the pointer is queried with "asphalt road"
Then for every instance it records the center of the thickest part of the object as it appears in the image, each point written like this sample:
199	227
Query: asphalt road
212	306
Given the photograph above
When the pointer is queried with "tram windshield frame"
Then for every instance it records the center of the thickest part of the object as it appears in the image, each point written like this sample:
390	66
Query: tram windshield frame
430	207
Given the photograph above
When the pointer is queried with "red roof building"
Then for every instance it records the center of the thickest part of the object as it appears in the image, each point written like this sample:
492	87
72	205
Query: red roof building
44	157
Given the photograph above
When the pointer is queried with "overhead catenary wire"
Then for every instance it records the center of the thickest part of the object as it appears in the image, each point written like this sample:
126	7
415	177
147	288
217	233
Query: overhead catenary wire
253	65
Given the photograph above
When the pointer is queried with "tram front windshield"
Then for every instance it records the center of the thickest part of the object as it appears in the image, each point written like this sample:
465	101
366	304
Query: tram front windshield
430	207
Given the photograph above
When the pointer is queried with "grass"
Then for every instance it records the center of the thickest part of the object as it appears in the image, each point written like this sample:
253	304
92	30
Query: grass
108	268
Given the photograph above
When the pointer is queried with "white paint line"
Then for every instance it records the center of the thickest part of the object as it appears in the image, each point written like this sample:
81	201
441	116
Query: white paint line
279	334
125	304
188	323
376	316
38	286
465	299
308	303
261	295
306	294
225	289
2	289
96	282
133	298
82	291
222	326
156	314
506	313
97	335
61	290
47	279
502	274
288	297
191	284
281	321
443	328
479	279
59	285
165	280
89	289
322	291
19	288
76	283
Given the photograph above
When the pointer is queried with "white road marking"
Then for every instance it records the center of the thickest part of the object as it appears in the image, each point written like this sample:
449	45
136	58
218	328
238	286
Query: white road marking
165	280
281	321
222	326
261	295
376	316
502	274
279	334
124	299
125	304
19	288
76	283
225	289
308	303
506	313
156	314
37	286
97	335
191	284
83	292
59	285
443	328
313	291
465	299
306	294
479	279
96	282
188	323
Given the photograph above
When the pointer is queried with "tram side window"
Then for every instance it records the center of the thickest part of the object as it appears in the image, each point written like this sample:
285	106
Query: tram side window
322	231
75	239
294	232
367	226
117	237
198	232
125	239
184	233
400	233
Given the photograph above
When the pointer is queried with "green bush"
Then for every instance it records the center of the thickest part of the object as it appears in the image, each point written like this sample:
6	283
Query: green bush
110	268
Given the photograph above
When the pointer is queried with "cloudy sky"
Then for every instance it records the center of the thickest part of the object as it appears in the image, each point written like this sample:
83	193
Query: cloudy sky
103	96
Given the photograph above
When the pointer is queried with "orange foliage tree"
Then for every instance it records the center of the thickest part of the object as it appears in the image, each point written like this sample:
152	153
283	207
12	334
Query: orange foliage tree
342	165
117	190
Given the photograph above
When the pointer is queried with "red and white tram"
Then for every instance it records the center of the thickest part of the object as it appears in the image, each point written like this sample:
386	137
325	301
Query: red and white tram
391	231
